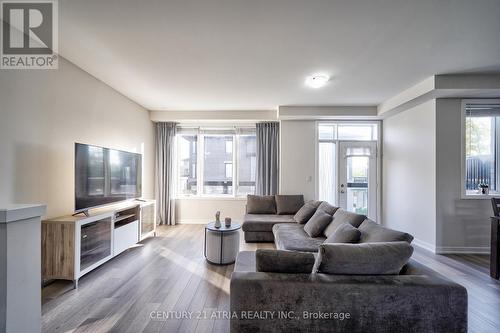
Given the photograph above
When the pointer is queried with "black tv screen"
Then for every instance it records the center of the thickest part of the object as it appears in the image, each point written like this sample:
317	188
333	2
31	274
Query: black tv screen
104	176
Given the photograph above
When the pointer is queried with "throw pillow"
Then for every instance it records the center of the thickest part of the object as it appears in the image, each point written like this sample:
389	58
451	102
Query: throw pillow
306	211
317	223
280	261
288	204
328	208
345	233
386	258
340	217
261	204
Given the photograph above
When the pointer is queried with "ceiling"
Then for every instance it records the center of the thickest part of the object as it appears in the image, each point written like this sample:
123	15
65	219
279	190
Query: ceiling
255	54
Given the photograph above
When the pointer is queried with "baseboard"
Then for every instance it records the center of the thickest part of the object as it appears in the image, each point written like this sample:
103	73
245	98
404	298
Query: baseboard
192	221
462	250
450	249
424	245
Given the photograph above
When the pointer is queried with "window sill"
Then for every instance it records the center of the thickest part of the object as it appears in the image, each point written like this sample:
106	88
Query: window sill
478	196
209	198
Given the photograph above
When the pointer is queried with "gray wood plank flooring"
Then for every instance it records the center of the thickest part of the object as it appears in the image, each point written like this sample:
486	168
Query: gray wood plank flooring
169	273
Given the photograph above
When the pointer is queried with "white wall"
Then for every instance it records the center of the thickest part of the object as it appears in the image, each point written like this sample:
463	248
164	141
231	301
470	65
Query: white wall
202	210
409	173
43	113
463	225
298	157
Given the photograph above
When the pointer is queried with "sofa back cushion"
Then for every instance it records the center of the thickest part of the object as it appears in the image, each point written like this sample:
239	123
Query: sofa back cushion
345	233
261	204
317	223
306	211
328	208
340	217
288	204
280	261
372	232
362	259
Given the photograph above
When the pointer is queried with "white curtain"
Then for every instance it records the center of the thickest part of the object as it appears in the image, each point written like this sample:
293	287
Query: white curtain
164	174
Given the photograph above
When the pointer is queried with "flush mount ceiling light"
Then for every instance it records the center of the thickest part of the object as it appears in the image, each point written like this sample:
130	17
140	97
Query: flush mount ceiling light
317	81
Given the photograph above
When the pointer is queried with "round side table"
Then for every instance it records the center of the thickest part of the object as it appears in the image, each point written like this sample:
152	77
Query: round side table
222	244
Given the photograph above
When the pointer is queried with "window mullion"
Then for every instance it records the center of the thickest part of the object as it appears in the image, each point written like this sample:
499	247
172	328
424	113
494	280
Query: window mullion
496	153
200	159
235	165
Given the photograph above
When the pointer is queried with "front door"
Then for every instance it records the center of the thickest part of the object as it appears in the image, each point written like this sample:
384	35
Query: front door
357	185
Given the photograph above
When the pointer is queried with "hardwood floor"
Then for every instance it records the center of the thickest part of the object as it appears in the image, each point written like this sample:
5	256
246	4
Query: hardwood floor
169	273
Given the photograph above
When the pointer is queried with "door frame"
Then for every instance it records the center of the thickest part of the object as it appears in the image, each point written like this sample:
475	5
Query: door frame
379	158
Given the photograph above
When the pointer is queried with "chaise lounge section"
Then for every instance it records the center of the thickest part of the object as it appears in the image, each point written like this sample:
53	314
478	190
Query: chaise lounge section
416	300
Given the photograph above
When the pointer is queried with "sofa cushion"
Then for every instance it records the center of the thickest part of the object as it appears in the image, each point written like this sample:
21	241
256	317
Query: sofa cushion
325	206
317	223
363	259
342	216
306	211
261	204
288	204
280	261
264	222
345	233
292	237
372	232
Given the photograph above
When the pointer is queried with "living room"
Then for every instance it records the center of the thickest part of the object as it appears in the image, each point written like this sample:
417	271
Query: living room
235	166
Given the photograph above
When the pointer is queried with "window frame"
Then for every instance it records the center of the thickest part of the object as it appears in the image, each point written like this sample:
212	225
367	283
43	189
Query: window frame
463	171
237	131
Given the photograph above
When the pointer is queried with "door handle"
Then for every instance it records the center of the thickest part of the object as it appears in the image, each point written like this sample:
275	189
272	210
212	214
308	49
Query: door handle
342	191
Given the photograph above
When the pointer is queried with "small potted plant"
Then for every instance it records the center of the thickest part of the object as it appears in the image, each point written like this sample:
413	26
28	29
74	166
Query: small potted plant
484	188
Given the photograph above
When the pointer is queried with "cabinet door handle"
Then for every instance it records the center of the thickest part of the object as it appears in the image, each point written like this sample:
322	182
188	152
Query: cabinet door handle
84	236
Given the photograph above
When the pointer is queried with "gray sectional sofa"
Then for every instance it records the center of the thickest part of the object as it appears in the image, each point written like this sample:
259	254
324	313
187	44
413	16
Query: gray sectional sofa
309	284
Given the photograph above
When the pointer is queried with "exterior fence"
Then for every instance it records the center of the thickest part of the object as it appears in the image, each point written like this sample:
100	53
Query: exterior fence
480	169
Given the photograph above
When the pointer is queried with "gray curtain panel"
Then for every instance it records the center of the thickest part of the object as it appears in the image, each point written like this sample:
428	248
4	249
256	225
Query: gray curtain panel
164	175
267	158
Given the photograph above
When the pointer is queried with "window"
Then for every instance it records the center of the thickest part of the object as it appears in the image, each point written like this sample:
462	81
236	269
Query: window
482	146
247	164
227	164
217	159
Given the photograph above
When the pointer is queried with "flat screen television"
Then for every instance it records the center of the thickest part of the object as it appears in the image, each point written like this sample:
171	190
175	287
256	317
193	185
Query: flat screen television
104	176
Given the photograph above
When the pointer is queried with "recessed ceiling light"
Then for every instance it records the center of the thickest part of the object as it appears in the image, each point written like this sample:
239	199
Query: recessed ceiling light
317	81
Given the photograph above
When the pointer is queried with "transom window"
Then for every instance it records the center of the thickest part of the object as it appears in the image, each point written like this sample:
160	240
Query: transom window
226	167
482	147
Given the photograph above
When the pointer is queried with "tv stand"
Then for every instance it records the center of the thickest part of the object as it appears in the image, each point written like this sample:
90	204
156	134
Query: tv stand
74	245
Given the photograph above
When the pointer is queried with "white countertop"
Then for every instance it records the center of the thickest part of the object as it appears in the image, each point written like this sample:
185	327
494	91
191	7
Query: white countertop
16	212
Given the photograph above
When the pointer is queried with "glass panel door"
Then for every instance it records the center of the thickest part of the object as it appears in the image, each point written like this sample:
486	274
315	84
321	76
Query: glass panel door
358	177
95	242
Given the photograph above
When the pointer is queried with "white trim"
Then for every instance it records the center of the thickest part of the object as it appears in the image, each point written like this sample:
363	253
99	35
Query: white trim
462	250
424	245
192	221
212	198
